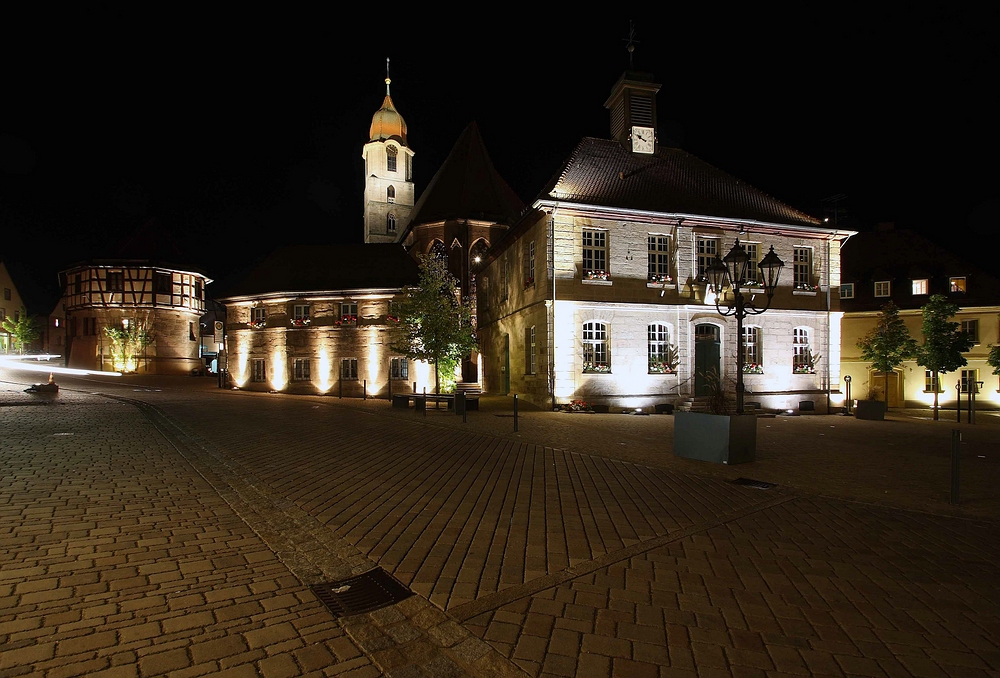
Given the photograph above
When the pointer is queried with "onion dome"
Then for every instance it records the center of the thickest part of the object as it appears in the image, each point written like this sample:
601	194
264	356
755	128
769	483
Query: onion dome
387	123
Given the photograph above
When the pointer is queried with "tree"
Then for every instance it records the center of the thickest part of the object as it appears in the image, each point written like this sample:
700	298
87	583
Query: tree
944	342
127	341
23	331
993	359
434	323
888	344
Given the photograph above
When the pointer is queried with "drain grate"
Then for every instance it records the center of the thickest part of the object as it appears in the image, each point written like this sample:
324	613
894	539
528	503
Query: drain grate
749	482
366	592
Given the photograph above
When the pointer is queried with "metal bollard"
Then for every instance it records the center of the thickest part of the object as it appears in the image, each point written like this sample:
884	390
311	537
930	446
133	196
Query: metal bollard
425	401
366	389
956	446
515	413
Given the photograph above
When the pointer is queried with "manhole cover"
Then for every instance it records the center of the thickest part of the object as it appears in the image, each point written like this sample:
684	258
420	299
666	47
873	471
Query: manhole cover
366	592
748	482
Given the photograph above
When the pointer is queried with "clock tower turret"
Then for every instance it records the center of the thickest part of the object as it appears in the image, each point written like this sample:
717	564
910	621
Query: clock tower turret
633	111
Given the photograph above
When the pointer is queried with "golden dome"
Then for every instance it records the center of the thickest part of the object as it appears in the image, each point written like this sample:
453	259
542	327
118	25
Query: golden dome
387	123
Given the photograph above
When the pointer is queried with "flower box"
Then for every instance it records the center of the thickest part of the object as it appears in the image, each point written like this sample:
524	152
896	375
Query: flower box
660	368
803	370
596	368
753	368
661	278
806	287
596	275
347	319
392	318
530	282
300	322
257	324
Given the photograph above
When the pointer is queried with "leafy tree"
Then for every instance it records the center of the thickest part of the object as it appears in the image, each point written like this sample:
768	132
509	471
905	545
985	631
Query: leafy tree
888	344
127	341
434	323
993	359
944	342
23	331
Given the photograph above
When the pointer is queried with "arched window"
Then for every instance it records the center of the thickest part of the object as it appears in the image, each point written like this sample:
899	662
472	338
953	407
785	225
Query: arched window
661	355
390	194
390	223
477	253
390	158
596	350
802	359
752	363
438	250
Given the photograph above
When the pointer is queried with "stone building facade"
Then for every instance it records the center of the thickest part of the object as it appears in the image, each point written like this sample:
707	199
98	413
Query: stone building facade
599	293
10	307
901	266
101	293
318	320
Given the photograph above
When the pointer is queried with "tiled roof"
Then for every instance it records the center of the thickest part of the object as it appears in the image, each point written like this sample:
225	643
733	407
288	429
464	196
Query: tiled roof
467	186
603	172
313	268
899	255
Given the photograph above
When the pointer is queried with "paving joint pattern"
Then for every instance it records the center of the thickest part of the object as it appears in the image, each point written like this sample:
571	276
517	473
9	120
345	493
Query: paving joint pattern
411	638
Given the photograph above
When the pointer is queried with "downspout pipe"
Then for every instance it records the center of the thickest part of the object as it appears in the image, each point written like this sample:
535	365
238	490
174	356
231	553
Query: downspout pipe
552	323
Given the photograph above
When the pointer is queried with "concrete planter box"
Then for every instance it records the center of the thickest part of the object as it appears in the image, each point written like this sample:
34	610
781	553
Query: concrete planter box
870	409
719	438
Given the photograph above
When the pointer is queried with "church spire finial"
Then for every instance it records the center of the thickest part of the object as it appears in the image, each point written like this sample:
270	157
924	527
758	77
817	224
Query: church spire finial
632	42
387	80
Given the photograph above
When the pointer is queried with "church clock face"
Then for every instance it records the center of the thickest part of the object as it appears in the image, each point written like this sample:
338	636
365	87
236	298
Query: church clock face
642	139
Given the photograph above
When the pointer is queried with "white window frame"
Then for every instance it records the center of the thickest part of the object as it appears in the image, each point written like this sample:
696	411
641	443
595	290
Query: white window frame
706	250
752	361
658	349
846	290
349	369
390	194
802	267
801	353
596	347
258	316
258	370
753	258
300	312
919	287
529	264
971	327
930	382
349	312
301	369
532	351
883	288
595	254
658	258
964	379
399	369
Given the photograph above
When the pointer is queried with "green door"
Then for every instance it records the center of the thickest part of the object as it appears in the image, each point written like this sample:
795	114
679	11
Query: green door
707	351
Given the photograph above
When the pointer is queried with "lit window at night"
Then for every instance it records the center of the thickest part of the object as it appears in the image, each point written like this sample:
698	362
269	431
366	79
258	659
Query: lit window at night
595	254
957	284
596	352
920	286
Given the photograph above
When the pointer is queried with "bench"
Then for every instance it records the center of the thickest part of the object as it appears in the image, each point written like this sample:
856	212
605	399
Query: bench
420	400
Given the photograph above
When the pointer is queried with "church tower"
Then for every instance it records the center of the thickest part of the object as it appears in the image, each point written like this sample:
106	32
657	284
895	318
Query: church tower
389	191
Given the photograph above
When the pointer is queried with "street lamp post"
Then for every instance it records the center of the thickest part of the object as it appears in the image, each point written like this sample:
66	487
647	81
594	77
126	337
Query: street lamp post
731	271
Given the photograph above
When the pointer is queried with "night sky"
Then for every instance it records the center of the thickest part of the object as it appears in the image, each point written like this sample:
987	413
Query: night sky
242	133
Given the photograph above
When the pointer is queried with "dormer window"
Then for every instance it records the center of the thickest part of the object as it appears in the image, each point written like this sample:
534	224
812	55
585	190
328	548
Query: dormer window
390	158
957	284
390	194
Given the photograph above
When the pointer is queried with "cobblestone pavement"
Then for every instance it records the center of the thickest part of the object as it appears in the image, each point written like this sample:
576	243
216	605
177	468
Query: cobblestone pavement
580	546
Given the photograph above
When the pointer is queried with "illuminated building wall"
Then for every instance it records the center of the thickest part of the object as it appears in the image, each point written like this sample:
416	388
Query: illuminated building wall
628	302
10	304
306	354
103	293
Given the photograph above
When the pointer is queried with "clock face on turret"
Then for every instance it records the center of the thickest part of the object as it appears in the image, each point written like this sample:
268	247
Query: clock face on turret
642	139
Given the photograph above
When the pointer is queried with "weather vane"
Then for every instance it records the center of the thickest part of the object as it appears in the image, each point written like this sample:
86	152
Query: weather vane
632	42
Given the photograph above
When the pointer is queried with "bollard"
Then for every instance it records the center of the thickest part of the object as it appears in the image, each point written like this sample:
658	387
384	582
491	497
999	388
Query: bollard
956	446
515	413
460	404
958	403
425	401
340	388
365	385
972	402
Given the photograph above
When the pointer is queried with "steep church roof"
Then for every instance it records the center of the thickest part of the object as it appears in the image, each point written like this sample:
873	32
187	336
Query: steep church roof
467	186
603	172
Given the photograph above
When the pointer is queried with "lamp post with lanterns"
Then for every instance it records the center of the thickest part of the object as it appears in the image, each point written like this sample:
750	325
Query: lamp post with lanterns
731	271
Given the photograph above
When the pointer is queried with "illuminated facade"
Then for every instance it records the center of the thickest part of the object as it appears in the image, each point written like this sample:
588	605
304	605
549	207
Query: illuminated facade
317	320
10	307
598	293
901	266
120	294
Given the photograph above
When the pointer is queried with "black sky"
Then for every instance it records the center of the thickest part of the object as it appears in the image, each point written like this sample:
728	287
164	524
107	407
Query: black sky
242	133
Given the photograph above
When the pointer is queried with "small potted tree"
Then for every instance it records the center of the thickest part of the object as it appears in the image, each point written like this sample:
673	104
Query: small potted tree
886	347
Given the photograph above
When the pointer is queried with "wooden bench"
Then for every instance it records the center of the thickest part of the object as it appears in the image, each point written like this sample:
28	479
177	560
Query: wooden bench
420	400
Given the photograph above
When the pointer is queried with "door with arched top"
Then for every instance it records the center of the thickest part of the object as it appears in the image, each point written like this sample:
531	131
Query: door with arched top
707	354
